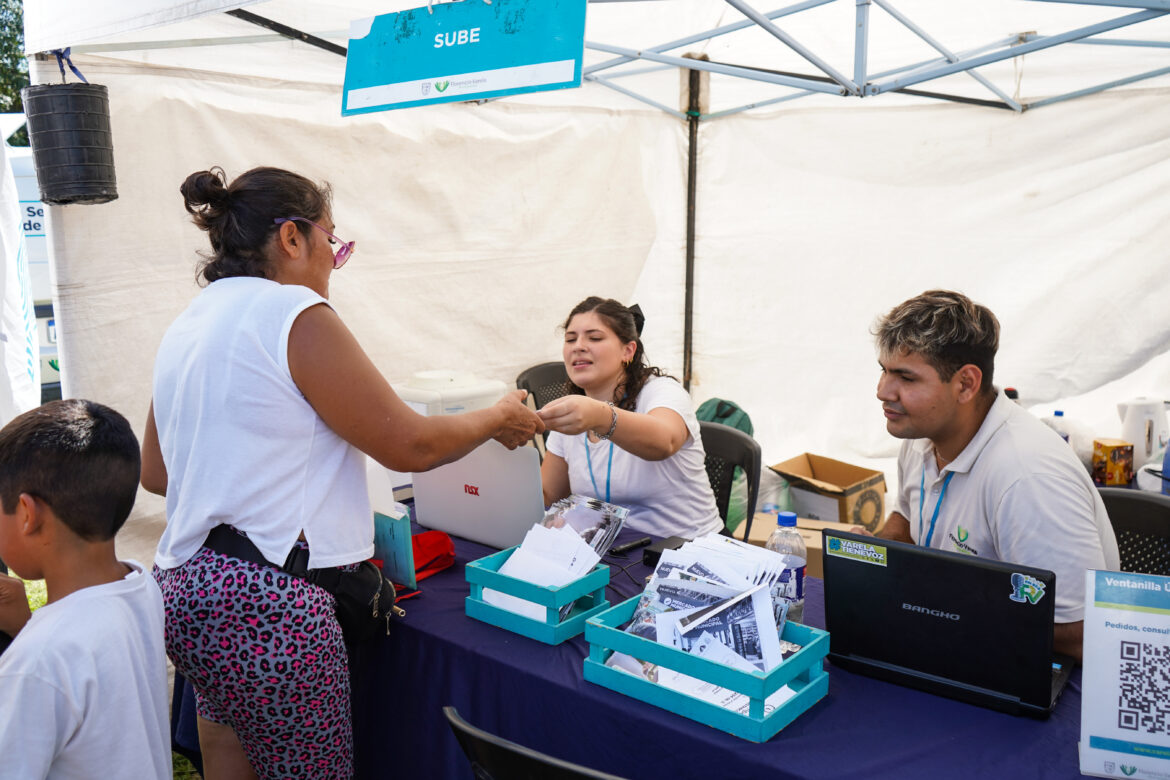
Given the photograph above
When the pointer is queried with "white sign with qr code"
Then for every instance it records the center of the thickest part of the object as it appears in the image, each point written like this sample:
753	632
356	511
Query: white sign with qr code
1125	700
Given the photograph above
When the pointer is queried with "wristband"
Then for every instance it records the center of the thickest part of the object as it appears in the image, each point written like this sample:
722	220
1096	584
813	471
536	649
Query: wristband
612	425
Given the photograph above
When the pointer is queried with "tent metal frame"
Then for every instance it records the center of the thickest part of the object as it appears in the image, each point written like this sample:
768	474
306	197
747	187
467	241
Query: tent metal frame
827	80
864	84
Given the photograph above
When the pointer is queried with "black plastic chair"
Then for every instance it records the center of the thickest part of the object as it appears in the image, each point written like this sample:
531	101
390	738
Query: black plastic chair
1141	522
494	758
727	448
544	382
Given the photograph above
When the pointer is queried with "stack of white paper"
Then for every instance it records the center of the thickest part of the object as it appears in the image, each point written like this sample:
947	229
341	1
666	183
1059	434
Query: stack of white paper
549	557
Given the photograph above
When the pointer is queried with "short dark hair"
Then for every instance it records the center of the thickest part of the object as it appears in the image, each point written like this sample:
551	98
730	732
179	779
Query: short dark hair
79	457
621	320
947	328
239	218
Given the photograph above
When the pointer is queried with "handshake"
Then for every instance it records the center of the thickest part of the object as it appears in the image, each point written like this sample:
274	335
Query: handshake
519	423
570	415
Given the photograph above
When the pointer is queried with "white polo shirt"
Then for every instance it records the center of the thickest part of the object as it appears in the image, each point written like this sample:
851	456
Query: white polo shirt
1019	494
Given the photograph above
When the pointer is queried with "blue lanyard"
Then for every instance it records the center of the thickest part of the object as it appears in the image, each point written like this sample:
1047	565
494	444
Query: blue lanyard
922	501
608	469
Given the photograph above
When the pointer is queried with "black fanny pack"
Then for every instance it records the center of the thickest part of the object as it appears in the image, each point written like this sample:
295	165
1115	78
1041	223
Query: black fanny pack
364	598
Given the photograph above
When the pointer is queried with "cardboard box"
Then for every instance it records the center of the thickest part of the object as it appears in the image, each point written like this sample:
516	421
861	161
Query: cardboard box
827	489
1112	462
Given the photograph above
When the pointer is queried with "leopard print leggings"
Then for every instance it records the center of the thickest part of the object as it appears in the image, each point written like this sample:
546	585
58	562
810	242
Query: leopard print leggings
264	652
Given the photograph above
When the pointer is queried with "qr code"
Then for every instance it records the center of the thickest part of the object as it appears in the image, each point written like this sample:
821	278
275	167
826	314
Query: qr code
1144	701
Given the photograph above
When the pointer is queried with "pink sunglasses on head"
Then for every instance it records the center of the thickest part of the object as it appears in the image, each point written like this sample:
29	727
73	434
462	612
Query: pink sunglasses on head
343	252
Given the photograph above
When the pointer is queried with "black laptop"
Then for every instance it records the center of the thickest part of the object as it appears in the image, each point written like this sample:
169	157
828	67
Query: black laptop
956	625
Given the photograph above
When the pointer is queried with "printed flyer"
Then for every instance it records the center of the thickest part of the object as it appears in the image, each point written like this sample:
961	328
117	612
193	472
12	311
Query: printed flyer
1125	705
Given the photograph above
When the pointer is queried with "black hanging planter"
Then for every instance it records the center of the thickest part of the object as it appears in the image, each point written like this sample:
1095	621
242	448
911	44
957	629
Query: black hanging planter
73	149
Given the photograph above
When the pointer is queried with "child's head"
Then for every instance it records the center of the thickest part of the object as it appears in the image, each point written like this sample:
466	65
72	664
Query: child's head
78	458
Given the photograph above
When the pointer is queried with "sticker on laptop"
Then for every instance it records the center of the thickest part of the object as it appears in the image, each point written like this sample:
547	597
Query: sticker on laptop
866	552
1026	589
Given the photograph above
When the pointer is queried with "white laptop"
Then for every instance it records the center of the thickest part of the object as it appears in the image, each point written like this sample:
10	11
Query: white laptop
492	495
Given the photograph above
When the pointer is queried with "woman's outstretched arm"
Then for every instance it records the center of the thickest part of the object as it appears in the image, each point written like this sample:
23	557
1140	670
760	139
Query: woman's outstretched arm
349	393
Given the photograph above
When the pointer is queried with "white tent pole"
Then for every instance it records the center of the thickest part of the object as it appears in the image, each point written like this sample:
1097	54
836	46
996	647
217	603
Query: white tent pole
637	71
757	104
1034	44
792	43
1158	4
100	48
709	34
1123	42
861	43
630	93
945	52
1099	88
883	74
726	70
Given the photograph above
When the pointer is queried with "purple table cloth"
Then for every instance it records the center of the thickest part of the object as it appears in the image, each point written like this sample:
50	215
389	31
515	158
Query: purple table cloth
535	694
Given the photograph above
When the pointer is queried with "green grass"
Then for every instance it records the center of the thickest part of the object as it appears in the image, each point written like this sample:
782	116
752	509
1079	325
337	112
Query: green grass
35	590
183	770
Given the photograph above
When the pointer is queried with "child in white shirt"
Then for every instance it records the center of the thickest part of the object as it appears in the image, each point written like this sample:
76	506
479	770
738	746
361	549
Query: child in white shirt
83	687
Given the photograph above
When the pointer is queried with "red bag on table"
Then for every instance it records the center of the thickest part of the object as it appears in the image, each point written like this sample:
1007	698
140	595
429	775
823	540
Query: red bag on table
433	551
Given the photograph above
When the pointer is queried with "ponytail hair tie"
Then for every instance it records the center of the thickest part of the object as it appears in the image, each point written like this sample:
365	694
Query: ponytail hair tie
639	318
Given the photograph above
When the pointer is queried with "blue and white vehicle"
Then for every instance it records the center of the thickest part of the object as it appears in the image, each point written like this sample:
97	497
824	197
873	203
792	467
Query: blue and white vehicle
34	219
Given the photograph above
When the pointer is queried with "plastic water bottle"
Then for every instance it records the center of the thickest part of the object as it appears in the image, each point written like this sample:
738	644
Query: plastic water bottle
787	542
1059	424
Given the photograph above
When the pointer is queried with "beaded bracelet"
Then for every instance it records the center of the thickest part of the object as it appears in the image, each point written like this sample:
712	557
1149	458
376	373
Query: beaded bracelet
612	425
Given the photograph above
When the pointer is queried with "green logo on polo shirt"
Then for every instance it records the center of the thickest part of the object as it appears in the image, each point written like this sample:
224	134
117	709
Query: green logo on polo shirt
959	538
1128	770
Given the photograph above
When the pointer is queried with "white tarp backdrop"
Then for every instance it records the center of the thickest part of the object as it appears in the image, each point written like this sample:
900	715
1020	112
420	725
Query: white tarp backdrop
478	226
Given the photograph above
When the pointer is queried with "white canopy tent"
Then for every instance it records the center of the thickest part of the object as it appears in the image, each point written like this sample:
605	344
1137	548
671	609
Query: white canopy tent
480	225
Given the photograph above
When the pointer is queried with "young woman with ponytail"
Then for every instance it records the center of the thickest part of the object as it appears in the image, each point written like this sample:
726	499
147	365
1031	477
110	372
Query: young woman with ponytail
626	433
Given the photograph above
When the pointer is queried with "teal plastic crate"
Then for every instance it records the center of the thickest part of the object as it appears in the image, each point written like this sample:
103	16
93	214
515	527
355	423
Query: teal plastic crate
587	595
802	671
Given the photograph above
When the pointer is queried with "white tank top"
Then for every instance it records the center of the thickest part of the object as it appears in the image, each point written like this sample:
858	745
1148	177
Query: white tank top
241	444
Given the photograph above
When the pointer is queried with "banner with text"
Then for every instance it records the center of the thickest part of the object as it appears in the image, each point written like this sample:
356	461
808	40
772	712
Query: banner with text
462	51
1125	703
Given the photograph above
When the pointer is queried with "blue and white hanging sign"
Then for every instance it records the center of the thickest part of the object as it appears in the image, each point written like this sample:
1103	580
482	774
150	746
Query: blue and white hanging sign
466	50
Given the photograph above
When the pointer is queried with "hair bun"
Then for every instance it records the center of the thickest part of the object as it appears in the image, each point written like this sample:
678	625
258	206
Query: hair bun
639	318
205	190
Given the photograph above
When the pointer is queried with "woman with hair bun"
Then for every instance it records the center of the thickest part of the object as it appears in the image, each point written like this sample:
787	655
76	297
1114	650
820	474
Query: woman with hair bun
263	405
626	433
